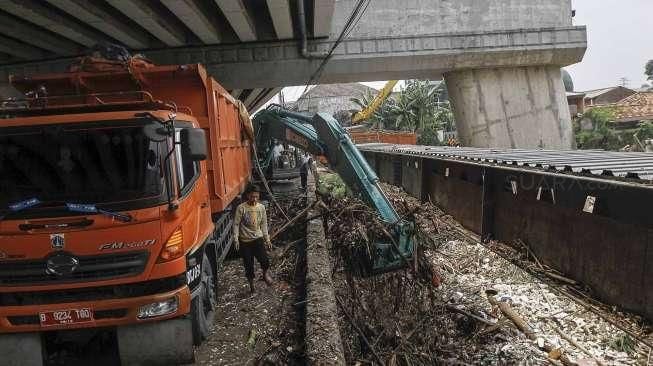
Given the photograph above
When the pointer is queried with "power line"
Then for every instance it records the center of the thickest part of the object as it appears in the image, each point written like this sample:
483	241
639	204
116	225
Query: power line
353	19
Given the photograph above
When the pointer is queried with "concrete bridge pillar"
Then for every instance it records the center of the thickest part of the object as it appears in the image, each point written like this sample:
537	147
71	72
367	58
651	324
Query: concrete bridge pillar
513	107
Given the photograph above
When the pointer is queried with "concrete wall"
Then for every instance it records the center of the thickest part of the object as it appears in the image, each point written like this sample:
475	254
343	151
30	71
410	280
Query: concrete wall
385	18
411	175
522	107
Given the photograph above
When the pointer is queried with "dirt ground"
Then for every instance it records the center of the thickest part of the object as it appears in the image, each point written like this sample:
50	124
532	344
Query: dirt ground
266	328
252	328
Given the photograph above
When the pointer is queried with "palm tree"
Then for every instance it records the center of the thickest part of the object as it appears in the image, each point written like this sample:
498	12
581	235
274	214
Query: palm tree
416	108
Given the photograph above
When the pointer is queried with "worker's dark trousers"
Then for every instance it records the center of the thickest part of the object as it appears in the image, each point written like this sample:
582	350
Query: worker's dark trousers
254	249
304	178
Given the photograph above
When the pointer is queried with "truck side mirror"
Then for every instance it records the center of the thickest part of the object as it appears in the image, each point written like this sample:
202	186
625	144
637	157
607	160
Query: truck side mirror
193	143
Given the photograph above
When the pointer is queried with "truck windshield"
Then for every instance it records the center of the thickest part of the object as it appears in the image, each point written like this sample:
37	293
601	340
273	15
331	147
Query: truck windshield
101	163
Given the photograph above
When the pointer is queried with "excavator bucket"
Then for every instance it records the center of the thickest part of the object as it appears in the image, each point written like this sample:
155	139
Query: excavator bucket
393	255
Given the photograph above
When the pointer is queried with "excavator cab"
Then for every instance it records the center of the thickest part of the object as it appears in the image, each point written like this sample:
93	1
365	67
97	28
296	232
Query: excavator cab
322	135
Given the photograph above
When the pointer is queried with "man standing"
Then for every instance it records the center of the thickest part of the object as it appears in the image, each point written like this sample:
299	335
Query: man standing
276	154
251	236
306	164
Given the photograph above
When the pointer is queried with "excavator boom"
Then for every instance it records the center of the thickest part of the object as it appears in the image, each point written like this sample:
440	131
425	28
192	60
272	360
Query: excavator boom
383	94
321	134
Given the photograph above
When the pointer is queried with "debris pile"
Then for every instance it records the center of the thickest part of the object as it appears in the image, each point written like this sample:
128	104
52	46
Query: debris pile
443	312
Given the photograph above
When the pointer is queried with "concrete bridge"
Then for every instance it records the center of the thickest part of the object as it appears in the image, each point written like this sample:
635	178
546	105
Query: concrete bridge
500	58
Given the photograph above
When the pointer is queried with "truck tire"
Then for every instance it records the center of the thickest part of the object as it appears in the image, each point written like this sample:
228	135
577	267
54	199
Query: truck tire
204	305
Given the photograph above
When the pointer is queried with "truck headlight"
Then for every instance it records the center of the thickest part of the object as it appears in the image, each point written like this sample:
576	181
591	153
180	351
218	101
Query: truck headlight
158	308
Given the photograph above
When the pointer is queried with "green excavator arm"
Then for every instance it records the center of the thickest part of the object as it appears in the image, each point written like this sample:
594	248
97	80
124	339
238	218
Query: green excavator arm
321	134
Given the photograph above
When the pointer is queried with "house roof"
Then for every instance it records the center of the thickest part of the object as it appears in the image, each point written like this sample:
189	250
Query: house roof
591	94
638	106
575	94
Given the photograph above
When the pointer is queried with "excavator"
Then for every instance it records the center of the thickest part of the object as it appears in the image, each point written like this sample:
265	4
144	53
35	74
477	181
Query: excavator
275	170
367	112
321	135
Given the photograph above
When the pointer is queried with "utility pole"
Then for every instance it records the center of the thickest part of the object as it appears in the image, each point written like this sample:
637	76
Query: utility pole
282	101
624	82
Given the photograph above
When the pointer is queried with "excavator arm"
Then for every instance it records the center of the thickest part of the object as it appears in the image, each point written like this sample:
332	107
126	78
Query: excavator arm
368	111
321	134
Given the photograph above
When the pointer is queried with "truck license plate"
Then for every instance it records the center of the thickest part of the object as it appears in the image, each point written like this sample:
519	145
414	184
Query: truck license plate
63	317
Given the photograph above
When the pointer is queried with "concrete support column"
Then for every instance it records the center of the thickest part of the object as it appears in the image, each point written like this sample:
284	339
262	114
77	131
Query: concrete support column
515	107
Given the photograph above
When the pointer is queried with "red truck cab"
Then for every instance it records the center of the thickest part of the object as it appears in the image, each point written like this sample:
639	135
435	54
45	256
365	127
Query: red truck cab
117	183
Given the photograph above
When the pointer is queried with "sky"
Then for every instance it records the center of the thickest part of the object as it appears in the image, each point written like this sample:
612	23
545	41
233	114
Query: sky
619	45
619	42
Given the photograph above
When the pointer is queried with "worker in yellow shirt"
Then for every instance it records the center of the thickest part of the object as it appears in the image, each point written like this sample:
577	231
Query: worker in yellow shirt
251	236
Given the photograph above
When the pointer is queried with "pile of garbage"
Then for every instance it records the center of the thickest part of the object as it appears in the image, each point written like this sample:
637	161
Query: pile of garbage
462	304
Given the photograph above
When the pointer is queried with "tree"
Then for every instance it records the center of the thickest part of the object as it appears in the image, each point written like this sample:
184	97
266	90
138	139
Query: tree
602	136
343	117
416	108
380	118
648	69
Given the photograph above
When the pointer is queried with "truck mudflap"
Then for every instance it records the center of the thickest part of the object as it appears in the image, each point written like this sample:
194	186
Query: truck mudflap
21	349
168	342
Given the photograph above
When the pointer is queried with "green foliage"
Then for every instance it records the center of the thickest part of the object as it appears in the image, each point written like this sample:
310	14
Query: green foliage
648	69
645	130
380	116
416	108
600	116
331	184
429	137
602	136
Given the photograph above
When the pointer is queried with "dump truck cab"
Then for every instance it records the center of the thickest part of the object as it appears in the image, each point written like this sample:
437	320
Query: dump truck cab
114	211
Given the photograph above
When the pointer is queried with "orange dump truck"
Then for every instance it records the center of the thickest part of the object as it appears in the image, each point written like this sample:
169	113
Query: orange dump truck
117	180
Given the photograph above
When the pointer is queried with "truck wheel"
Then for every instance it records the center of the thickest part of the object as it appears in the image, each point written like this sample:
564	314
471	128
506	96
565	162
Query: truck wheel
204	305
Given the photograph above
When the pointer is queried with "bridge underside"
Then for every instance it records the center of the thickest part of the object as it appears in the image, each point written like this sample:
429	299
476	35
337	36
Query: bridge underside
279	64
253	48
53	31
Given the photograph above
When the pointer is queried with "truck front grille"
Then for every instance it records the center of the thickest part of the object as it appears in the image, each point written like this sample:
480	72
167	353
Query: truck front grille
122	291
90	268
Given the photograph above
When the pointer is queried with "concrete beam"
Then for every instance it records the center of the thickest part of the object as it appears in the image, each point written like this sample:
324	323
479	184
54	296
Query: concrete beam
92	14
240	20
236	93
36	37
141	12
281	19
252	97
190	13
275	64
19	49
363	59
322	17
264	97
34	12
